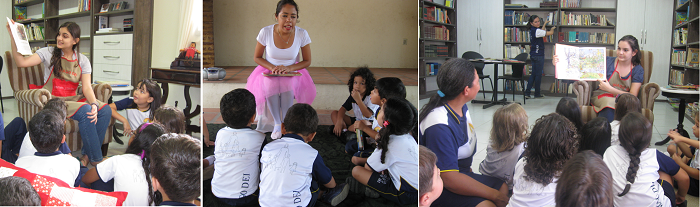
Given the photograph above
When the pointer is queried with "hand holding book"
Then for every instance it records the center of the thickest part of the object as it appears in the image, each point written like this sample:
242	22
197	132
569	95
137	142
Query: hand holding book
18	35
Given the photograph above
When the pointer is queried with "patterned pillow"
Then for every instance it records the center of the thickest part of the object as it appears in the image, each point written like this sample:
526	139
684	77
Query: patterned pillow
55	192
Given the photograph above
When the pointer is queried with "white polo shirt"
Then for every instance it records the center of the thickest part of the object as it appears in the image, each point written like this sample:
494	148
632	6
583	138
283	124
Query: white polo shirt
237	171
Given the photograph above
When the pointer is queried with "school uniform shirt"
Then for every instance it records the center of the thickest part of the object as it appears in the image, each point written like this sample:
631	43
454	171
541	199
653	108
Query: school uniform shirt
288	167
287	56
450	137
614	133
645	191
128	175
237	171
528	193
27	149
536	41
61	166
501	164
350	104
694	163
46	53
135	116
401	160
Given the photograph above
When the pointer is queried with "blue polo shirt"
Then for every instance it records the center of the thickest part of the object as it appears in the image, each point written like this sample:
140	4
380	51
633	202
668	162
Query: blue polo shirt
451	137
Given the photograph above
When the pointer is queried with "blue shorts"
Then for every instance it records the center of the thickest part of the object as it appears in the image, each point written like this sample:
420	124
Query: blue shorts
383	184
449	198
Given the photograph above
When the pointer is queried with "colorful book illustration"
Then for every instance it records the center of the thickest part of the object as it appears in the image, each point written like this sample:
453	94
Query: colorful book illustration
19	33
579	63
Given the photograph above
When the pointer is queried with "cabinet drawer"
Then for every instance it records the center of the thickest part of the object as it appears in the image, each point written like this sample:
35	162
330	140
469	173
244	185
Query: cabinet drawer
115	57
109	72
112	42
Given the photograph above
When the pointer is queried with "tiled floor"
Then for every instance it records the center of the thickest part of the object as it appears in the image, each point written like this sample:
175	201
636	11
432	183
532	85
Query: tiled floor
665	118
326	75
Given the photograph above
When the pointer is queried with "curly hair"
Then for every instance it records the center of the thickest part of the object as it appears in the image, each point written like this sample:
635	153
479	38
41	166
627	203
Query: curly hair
366	75
552	142
509	127
635	135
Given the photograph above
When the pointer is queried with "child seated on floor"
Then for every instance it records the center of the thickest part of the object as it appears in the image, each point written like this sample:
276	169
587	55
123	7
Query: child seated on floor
568	108
292	170
624	104
171	118
388	87
508	135
430	181
139	108
128	172
237	172
689	161
392	168
595	135
46	130
552	142
360	85
585	181
17	191
175	169
58	105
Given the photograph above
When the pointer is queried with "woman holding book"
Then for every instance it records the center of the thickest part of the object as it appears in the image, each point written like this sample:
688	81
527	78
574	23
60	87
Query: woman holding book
64	69
624	74
280	77
536	53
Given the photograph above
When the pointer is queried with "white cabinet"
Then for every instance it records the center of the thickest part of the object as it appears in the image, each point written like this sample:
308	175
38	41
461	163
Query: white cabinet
480	26
650	22
112	57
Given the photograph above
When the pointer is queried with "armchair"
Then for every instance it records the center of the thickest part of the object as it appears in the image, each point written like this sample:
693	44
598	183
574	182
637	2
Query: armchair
31	101
647	93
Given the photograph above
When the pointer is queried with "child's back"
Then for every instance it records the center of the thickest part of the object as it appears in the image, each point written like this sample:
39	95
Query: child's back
237	168
508	135
401	160
127	172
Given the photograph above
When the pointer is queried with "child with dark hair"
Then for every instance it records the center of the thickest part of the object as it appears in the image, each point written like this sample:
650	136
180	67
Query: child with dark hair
171	118
360	85
175	169
568	108
585	181
508	136
237	152
624	104
595	135
429	174
18	191
46	130
291	169
634	167
129	172
385	88
396	154
28	149
139	108
552	142
685	158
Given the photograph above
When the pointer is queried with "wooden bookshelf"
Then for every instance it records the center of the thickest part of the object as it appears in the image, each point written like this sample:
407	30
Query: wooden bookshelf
426	80
684	72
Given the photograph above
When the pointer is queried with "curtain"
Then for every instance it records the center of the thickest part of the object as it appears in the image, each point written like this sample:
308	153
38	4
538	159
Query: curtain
190	24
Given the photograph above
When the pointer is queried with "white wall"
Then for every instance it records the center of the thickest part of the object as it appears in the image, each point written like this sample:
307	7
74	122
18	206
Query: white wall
5	11
164	49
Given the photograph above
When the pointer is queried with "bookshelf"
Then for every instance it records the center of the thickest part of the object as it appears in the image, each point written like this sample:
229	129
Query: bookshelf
684	43
50	14
437	42
584	25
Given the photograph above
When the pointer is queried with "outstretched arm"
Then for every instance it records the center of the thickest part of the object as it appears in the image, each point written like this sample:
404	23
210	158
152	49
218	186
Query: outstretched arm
20	60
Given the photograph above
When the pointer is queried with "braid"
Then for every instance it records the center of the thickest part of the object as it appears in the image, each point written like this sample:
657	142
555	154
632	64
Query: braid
635	135
145	162
631	171
383	142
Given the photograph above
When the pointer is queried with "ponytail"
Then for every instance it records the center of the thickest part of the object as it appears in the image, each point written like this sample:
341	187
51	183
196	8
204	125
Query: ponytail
399	119
455	75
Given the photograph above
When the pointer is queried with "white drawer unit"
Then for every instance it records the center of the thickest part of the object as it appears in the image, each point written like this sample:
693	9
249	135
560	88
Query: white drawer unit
112	57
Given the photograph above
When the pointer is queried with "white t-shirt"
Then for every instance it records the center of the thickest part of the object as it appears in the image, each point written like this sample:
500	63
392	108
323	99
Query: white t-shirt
237	171
358	113
540	33
645	191
401	160
614	133
46	53
528	193
278	56
694	163
27	149
285	179
61	166
128	175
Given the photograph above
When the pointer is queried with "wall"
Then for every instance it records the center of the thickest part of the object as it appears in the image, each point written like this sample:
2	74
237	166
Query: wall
5	11
343	33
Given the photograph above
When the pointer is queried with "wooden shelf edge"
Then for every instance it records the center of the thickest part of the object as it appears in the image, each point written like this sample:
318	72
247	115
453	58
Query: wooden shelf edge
434	22
683	7
430	3
30	3
70	15
118	12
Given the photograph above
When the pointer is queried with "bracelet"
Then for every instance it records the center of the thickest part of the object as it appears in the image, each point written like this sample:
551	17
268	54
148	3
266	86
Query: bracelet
95	104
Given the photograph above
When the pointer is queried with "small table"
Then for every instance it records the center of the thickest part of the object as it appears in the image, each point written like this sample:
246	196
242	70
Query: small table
188	78
685	96
494	98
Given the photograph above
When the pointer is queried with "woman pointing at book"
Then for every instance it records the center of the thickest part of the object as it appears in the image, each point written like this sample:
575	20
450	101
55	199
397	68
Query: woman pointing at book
624	74
64	70
280	78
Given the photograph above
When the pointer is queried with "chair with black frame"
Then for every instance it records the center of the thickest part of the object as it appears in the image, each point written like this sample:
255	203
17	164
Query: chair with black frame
516	76
479	69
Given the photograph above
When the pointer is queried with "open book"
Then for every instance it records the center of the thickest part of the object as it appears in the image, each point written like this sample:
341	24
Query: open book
19	32
579	63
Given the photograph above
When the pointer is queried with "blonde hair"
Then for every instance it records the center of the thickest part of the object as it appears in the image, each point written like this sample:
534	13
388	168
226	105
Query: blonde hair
509	127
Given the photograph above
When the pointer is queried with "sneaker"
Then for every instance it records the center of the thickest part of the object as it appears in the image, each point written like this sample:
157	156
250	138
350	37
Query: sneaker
528	97
336	195
359	188
540	96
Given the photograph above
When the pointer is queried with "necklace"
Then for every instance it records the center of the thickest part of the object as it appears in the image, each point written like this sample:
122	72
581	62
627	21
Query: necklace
280	34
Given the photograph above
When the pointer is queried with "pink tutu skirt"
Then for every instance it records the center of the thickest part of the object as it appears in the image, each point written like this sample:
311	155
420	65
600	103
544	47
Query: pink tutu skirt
262	87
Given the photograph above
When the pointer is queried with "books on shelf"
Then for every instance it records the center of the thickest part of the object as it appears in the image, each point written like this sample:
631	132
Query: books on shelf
108	30
570	3
510	51
692	59
84	5
676	77
103	22
518	34
34	32
20	13
678	57
436	32
432	68
680	36
114	6
587	37
579	63
128	24
584	19
436	51
20	37
560	86
435	14
681	17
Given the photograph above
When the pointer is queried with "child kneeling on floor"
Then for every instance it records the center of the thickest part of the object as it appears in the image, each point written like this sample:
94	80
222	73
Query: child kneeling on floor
397	153
292	169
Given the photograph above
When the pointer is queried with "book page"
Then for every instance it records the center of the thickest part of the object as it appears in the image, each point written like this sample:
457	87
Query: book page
592	63
20	37
575	63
